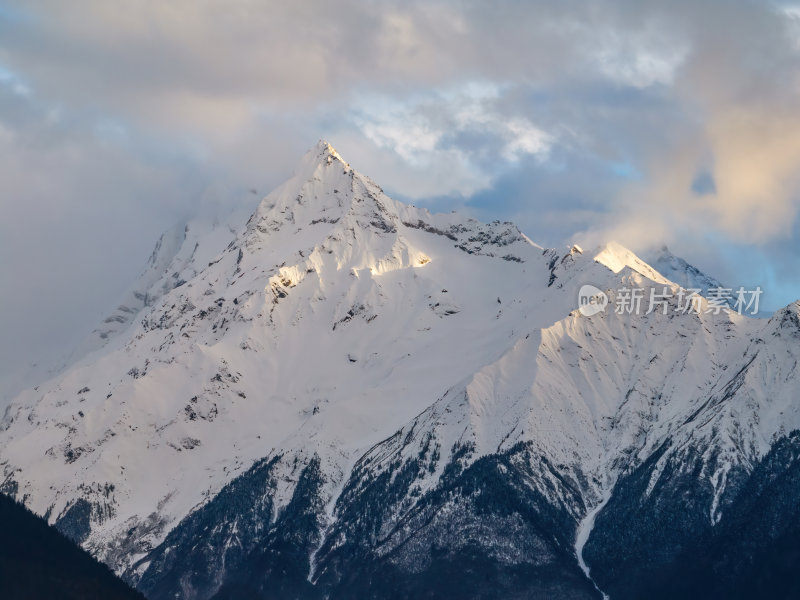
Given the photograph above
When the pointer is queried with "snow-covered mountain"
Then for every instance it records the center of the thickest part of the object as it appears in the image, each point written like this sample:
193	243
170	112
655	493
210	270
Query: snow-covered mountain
679	271
179	254
356	398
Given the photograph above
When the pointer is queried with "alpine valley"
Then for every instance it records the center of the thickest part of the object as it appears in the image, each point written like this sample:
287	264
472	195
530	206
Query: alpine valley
350	397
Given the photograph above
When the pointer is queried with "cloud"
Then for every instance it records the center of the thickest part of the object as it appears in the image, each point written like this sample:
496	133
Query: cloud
737	88
756	172
456	139
83	200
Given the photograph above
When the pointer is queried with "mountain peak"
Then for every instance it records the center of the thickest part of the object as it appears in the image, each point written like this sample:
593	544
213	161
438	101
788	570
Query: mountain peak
322	153
325	147
681	272
616	257
318	191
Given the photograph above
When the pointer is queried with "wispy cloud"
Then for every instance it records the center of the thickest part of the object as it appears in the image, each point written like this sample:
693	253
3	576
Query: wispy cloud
463	131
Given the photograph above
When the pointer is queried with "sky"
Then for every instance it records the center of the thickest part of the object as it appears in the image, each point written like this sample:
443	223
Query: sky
643	122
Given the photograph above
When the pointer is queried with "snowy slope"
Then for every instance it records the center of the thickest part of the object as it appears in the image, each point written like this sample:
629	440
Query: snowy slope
685	275
343	349
179	254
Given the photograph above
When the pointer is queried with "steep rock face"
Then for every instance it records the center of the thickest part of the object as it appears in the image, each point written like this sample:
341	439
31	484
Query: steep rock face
356	398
